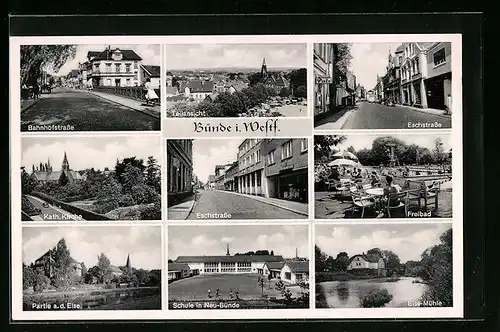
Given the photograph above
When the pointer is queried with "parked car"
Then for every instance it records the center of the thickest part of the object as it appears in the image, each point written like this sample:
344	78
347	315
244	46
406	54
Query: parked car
45	204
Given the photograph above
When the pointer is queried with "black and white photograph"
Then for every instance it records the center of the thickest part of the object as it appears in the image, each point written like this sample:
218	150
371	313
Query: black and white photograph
90	178
383	85
236	80
238	267
91	268
237	179
90	87
383	176
375	266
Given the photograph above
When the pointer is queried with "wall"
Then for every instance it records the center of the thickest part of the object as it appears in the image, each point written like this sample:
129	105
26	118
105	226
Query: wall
284	270
443	67
299	160
358	263
87	215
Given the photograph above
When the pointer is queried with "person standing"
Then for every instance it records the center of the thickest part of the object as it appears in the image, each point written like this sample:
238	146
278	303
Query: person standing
448	104
151	95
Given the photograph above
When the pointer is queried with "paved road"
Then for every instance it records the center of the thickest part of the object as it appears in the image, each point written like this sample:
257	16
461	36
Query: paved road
239	207
86	112
49	213
377	116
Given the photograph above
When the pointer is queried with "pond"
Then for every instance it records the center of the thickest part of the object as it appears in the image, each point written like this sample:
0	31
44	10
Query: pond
132	299
347	294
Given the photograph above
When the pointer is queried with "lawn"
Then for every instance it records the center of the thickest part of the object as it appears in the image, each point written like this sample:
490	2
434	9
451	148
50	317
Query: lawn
196	288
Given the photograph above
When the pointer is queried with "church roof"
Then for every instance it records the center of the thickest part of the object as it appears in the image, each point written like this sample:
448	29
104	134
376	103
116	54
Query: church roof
275	79
55	175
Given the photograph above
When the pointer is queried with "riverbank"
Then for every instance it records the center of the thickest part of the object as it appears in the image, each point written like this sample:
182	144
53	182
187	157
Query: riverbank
82	292
346	276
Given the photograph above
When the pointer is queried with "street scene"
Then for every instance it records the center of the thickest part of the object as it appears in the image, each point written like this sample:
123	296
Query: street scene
382	176
91	268
375	266
236	80
90	178
211	179
238	267
90	87
383	85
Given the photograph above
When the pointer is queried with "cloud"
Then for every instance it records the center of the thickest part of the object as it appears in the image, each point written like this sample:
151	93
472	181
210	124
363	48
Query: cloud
236	55
210	152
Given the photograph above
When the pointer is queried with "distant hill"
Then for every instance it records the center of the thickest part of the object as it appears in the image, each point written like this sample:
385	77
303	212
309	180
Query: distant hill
231	69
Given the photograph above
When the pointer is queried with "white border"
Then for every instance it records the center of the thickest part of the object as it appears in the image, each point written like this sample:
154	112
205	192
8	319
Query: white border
454	312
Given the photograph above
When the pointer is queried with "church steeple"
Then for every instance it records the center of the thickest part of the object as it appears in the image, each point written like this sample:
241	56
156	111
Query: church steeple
65	163
227	250
263	71
129	264
296	253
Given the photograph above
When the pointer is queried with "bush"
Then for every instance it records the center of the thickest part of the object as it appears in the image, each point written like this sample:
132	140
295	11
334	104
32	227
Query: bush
104	206
41	282
126	200
376	299
143	194
152	212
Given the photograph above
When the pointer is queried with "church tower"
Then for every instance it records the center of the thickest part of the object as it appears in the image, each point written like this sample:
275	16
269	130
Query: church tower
263	71
65	163
129	264
227	250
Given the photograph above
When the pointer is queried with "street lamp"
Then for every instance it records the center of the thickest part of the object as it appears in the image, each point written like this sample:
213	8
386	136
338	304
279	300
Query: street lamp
392	161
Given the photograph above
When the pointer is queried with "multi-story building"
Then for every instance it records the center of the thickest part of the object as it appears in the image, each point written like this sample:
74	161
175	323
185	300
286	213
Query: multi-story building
180	169
251	163
324	96
350	89
197	89
152	73
211	182
114	68
220	176
286	169
438	80
392	80
413	74
231	177
46	265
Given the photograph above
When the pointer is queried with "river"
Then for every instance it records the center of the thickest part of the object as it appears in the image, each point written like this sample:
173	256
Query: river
347	294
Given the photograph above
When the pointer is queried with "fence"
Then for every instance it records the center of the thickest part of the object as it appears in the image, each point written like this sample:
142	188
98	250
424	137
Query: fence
87	215
132	92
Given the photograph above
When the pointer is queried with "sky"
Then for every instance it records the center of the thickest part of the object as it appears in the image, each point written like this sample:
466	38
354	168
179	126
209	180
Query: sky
212	240
235	55
210	152
87	152
365	141
143	243
370	59
408	241
150	55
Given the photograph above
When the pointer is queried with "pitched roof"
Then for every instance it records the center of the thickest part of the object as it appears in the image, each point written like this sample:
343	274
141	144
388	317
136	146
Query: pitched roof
127	55
275	78
115	269
399	49
237	85
178	267
211	178
91	54
237	258
298	266
200	86
171	90
424	45
275	265
212	96
153	71
371	258
54	176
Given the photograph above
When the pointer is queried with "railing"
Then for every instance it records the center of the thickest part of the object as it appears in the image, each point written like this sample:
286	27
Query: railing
86	215
132	92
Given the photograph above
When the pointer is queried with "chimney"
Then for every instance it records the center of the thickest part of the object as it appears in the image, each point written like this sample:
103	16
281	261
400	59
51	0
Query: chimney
227	250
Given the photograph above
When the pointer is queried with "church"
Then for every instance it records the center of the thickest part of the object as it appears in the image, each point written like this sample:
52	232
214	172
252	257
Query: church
273	80
44	173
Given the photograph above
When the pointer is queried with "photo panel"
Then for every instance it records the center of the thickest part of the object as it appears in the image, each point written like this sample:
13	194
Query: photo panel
239	179
236	80
384	266
383	85
71	268
83	87
90	178
238	267
388	176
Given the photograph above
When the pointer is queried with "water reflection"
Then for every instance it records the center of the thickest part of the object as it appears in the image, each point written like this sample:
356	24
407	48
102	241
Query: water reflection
347	294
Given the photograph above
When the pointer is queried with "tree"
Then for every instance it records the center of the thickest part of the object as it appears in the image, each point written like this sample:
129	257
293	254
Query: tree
301	92
228	105
153	177
104	270
285	292
285	92
438	150
143	194
121	166
351	149
170	261
375	251
365	156
84	272
392	260
28	277
381	151
342	261
297	79
320	259
255	78
28	184
272	252
142	276
62	264
323	144
261	283
344	57
35	58
41	282
63	179
131	177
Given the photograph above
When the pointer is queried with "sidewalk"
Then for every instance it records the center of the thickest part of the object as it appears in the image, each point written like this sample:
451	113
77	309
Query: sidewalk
300	208
28	103
182	210
335	120
130	103
433	111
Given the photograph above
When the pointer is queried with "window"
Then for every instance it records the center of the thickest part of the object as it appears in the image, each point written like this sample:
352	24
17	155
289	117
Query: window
257	156
108	68
129	82
288	275
117	67
136	65
439	57
127	67
286	150
303	144
270	157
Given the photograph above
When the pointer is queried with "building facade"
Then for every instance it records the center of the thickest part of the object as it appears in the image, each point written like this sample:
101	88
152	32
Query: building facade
231	177
392	80
438	80
180	169
114	68
152	73
324	57
251	163
44	172
45	264
371	262
286	169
